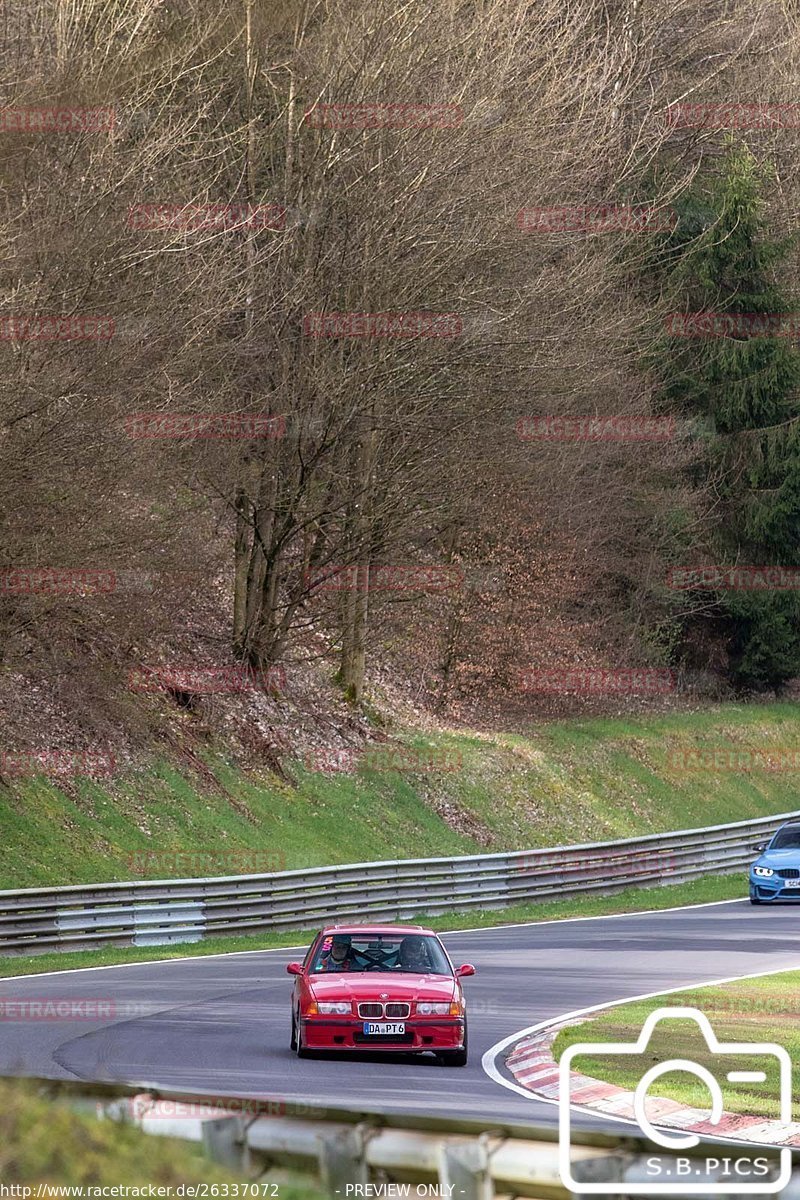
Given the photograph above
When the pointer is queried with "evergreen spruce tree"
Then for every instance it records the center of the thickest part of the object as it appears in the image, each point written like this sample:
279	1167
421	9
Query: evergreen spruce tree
744	390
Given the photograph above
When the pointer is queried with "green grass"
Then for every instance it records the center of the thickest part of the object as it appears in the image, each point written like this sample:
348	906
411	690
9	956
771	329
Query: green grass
763	1009
699	891
49	1142
572	781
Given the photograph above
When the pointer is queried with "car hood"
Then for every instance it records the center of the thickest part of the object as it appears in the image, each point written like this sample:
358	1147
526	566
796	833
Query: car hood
779	858
370	985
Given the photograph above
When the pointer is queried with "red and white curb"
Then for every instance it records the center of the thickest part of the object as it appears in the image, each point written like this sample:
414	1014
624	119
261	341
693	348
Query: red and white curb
532	1064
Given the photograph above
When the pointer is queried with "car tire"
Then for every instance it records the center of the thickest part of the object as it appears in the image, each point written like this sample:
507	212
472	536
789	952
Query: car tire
455	1058
293	1042
299	1048
754	900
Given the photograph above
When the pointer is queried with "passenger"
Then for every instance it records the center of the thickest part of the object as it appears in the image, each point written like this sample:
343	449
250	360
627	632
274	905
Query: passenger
414	954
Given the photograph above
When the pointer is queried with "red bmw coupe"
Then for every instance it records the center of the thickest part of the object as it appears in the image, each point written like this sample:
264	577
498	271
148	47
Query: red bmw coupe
379	987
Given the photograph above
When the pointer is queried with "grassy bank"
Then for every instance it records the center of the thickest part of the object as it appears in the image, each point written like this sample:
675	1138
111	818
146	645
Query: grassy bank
763	1009
582	780
699	891
48	1143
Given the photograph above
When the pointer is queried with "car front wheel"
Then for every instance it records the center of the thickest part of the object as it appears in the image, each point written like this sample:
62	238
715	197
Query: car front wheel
754	899
455	1058
299	1048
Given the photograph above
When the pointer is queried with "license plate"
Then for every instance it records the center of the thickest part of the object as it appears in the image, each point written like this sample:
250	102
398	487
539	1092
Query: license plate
791	883
384	1027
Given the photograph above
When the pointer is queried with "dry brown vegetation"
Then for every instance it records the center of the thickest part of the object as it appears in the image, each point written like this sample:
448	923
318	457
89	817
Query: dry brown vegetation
397	450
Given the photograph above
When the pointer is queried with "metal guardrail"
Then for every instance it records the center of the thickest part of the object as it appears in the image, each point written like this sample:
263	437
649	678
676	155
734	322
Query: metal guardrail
162	912
467	1158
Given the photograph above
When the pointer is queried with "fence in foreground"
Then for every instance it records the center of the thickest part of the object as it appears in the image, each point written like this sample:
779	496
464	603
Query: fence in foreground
367	1153
160	912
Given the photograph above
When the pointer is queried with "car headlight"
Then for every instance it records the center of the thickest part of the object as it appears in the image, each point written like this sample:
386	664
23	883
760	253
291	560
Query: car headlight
763	871
428	1009
329	1007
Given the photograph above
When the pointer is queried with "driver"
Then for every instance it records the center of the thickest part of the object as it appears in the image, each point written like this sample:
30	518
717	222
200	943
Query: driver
338	957
414	953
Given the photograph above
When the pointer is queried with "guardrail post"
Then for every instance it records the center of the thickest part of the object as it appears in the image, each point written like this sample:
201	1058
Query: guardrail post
343	1159
464	1170
224	1142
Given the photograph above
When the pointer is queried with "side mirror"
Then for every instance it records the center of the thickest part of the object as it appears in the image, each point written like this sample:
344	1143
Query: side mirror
294	968
465	969
761	846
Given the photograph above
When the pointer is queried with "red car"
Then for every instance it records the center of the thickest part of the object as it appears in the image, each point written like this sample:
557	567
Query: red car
379	987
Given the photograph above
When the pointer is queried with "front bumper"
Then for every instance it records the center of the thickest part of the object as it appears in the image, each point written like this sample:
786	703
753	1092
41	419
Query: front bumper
346	1033
770	888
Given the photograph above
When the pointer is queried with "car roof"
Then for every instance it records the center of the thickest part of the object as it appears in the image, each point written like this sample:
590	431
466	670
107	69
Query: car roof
376	929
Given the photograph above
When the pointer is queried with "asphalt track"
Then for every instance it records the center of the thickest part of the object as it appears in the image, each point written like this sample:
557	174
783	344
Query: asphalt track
221	1024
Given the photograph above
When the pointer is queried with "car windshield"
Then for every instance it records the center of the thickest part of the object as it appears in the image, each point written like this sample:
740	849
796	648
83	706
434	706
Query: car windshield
787	838
410	954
